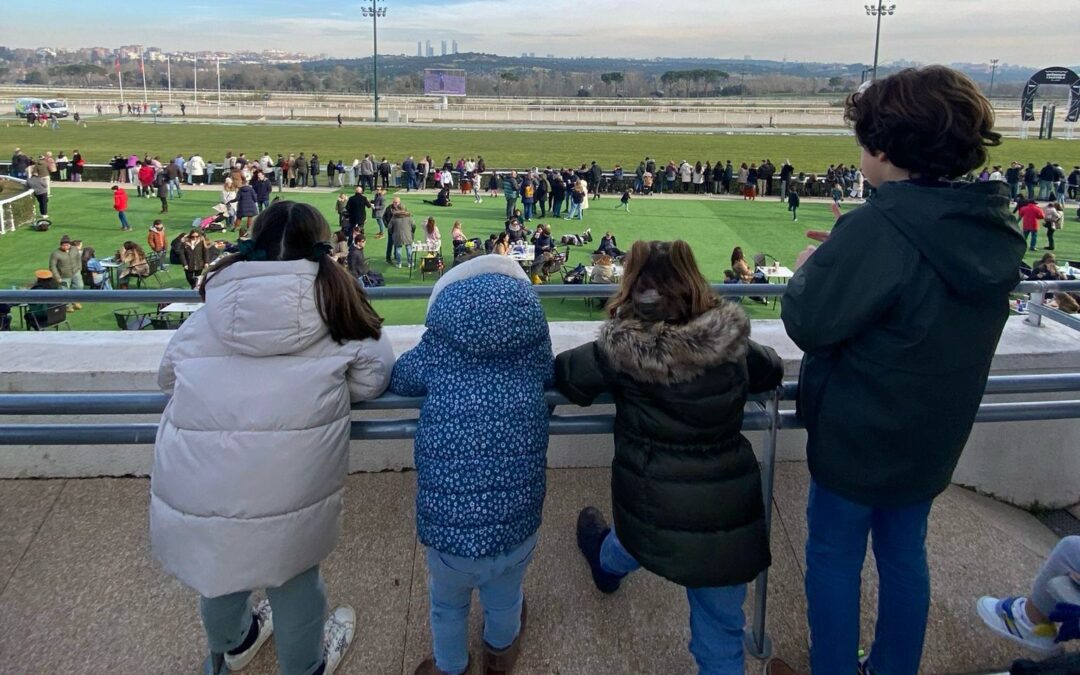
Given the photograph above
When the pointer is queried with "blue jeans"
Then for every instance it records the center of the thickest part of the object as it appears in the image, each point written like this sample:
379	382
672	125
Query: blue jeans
123	220
511	204
835	551
397	255
528	210
1045	188
1034	237
299	607
451	581
716	615
575	209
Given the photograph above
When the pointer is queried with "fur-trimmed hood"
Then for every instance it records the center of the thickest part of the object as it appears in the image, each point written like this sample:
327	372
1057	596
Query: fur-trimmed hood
662	353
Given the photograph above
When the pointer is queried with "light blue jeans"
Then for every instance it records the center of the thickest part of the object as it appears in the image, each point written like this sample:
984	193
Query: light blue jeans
299	607
717	621
835	551
451	580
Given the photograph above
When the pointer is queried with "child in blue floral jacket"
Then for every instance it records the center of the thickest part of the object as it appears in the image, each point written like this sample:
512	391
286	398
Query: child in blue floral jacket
481	450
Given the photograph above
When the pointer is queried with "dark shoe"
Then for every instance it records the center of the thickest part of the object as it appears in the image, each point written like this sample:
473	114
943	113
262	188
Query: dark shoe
779	667
502	660
591	531
428	667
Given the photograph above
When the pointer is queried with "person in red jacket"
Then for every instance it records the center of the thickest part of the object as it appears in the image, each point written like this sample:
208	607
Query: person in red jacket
147	174
1030	215
120	204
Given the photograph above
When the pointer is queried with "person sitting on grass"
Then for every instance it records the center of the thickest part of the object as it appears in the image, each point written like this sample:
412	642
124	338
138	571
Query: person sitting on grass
442	199
609	246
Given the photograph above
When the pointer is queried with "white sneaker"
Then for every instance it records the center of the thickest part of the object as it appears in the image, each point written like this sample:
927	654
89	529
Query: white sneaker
1002	617
265	620
337	636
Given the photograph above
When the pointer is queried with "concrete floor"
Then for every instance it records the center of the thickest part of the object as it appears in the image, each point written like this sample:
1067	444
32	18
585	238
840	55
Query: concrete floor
79	592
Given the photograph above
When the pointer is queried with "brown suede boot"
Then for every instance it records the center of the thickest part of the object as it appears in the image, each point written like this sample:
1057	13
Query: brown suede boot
428	667
779	667
499	661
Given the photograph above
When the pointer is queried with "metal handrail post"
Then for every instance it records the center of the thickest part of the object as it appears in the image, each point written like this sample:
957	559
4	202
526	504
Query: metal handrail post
1034	318
758	644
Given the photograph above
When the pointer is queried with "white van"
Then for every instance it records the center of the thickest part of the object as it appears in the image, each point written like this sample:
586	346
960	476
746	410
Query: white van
41	106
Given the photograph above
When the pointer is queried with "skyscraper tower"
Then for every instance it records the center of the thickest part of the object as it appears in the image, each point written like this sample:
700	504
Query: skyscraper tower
419	48
455	47
430	51
444	47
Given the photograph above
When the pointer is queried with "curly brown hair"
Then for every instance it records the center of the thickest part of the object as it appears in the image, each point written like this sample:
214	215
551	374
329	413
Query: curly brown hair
932	121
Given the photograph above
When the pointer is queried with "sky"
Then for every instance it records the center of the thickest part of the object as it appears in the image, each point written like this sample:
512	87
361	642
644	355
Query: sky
926	31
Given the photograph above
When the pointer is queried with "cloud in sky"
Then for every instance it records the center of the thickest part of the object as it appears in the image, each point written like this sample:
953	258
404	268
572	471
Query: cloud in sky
809	30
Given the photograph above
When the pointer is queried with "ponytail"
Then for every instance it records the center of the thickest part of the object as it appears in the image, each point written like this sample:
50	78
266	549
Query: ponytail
343	305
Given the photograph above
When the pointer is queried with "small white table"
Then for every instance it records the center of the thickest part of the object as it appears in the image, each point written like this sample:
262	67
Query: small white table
526	256
776	272
111	267
183	307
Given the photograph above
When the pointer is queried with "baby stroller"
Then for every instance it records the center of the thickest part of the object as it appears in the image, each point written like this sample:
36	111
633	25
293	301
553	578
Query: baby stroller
215	222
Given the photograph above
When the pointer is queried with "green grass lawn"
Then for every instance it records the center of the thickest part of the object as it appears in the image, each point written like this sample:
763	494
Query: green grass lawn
713	227
100	140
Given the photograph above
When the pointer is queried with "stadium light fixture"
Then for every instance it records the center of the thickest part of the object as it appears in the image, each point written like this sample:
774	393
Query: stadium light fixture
879	10
373	11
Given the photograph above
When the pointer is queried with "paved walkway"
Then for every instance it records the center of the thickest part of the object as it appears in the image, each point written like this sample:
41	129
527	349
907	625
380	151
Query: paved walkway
79	592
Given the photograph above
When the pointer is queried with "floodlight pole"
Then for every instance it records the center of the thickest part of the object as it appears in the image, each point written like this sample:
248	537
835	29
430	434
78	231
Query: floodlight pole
374	11
878	11
993	71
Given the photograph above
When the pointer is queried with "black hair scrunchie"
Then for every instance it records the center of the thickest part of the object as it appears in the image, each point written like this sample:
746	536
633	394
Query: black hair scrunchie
320	250
248	249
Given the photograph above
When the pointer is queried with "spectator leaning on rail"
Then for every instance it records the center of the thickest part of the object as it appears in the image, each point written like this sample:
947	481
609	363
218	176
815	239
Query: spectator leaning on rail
685	486
253	448
899	313
480	481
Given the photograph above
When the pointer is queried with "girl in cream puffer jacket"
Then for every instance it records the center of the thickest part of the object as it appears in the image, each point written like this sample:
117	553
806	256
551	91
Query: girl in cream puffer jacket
253	447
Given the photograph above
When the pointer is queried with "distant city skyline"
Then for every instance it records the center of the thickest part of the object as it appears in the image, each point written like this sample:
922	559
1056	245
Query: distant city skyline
971	31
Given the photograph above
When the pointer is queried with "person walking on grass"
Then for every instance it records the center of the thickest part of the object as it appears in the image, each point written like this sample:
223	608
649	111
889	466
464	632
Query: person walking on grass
793	202
286	343
120	204
685	486
624	202
908	404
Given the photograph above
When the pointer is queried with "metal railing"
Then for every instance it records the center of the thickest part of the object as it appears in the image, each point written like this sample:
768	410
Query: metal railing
763	413
1038	289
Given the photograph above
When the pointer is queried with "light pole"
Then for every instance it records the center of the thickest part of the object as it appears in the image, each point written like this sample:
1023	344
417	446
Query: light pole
993	71
374	12
879	11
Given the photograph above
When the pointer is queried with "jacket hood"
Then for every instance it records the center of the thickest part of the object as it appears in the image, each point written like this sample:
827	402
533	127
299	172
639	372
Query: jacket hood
265	308
964	231
486	307
663	353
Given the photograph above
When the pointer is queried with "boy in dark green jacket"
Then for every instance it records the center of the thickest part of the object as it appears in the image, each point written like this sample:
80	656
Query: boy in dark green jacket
899	313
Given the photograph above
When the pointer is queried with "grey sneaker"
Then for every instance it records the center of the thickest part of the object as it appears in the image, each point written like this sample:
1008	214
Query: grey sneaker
338	634
264	618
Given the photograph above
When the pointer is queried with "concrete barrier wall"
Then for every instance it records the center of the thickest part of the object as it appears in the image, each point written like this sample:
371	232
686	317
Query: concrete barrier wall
1021	463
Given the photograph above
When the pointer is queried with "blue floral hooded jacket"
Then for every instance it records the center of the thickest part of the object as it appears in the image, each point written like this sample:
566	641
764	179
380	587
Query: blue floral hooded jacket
481	442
